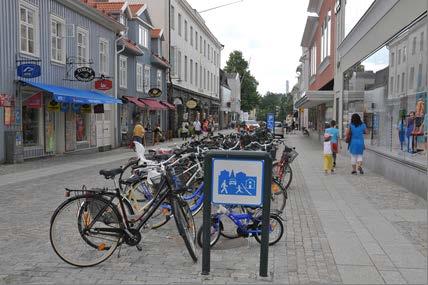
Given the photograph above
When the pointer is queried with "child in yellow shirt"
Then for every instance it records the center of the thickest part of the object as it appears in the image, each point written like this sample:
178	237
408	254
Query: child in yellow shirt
328	154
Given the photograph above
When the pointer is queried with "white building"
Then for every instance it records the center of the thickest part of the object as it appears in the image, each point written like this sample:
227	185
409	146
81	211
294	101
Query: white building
234	82
194	54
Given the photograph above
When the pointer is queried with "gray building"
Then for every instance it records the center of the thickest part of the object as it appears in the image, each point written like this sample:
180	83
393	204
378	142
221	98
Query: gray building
59	36
141	67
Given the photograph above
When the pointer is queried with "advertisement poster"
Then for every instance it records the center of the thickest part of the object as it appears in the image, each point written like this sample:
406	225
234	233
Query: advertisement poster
50	132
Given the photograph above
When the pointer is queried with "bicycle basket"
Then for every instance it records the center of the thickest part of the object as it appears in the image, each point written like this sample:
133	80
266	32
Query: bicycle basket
292	155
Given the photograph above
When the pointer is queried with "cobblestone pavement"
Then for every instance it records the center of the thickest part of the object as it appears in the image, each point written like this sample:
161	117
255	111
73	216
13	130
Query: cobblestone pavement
339	229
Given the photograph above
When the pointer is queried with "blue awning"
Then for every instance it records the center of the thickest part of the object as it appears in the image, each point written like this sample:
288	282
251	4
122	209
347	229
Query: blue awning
73	95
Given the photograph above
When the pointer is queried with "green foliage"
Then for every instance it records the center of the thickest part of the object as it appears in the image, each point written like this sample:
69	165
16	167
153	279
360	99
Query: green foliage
249	96
278	103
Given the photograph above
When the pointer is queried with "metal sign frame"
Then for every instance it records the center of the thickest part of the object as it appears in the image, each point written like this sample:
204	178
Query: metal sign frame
266	195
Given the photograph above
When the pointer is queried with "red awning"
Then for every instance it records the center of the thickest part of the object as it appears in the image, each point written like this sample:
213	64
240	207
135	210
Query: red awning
135	101
169	105
153	104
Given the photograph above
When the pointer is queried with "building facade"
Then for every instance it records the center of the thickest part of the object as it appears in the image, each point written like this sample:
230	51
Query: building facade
234	82
225	101
195	55
140	69
318	65
57	110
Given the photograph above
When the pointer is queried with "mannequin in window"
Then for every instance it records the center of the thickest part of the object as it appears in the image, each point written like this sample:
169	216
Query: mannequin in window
409	131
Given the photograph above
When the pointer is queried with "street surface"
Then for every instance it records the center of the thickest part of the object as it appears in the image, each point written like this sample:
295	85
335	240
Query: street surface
339	229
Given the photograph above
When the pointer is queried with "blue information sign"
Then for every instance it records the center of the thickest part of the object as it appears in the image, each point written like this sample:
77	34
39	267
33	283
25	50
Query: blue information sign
237	181
29	70
270	121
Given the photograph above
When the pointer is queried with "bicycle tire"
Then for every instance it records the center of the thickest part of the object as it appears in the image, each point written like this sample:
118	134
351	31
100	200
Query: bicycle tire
216	238
113	215
285	181
281	226
184	223
278	196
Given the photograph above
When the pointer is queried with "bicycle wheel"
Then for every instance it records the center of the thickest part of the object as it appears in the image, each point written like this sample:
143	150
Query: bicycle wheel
85	231
283	173
194	196
185	225
215	232
276	230
278	197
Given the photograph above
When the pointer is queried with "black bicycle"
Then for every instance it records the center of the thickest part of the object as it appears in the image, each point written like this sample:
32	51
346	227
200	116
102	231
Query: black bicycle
87	228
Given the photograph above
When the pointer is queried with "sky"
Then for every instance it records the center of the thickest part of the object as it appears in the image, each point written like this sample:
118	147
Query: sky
267	32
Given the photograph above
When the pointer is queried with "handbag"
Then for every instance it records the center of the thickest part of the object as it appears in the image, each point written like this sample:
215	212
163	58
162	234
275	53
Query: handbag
348	136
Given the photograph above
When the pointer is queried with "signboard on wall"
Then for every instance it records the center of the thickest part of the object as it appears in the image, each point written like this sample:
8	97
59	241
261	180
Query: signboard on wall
29	70
86	109
103	84
155	92
53	106
85	74
191	104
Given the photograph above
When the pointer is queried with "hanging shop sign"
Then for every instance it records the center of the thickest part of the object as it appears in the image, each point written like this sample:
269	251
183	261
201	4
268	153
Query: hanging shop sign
53	106
75	108
155	92
99	109
191	104
85	74
85	108
64	107
103	84
29	70
35	101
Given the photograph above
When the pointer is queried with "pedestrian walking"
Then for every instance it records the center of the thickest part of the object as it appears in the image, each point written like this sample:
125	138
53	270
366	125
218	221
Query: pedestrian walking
197	127
157	133
335	143
355	138
185	130
210	126
139	131
328	154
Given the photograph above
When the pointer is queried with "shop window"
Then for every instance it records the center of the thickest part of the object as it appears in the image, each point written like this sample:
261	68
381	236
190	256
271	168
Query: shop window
397	118
32	121
82	127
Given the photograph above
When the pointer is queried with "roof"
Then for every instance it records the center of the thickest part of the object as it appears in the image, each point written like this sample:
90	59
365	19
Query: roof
159	61
110	21
157	33
136	9
310	28
107	7
131	46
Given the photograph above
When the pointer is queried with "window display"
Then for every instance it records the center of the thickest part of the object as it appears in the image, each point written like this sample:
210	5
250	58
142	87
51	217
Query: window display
82	127
389	90
31	125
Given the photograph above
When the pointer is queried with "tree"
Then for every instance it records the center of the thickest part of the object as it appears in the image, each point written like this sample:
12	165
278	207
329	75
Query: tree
249	96
280	104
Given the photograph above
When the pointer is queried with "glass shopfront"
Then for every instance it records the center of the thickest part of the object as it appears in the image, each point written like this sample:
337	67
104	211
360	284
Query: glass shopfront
82	127
389	91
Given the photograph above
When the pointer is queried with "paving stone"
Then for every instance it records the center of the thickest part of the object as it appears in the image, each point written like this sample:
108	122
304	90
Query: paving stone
353	274
392	277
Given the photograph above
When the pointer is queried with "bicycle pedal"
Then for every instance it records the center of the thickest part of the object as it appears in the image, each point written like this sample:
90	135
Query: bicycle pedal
139	248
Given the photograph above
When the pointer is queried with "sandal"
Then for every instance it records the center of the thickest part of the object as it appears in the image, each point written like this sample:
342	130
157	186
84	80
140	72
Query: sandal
354	172
360	169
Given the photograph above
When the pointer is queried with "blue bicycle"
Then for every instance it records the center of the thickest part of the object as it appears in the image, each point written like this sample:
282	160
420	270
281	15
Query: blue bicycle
247	224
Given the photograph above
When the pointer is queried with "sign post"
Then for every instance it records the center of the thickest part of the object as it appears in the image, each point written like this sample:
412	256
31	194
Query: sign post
238	178
270	122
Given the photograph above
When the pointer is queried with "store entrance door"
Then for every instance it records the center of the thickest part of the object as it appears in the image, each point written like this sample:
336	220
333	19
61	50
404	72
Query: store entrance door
103	127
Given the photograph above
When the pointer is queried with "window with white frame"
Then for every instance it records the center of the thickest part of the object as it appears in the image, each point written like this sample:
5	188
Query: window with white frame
143	36
412	78
179	64
392	59
404	53
57	39
146	78
185	30
421	47
191	35
325	37
200	77
314	60
172	15
104	56
196	74
173	61
399	56
402	81
29	29
159	79
82	46
185	68
123	71
140	77
191	71
179	24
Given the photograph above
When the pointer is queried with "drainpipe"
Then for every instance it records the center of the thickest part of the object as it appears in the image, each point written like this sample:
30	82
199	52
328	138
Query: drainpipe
117	136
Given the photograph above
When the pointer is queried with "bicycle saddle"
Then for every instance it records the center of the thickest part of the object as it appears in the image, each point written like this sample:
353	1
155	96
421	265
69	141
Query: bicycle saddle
110	174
